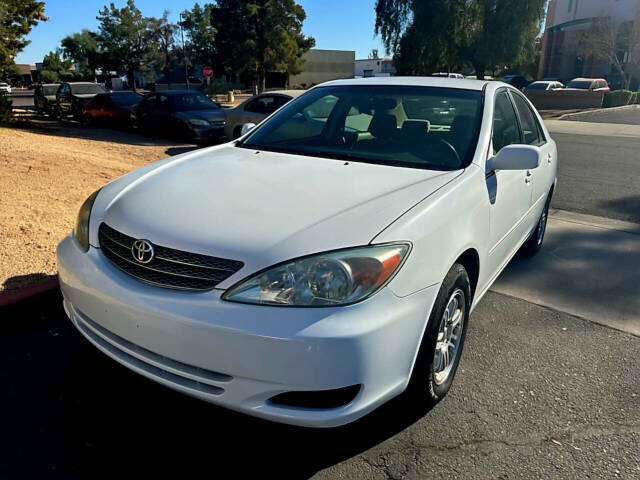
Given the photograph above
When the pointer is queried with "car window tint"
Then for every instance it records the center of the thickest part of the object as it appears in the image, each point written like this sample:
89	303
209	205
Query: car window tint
528	121
280	101
163	102
370	124
264	105
505	125
309	122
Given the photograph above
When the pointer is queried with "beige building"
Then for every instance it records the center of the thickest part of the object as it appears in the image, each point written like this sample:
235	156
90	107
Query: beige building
563	55
375	67
324	65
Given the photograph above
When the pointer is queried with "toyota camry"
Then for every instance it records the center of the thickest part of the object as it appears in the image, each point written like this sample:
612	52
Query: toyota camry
326	261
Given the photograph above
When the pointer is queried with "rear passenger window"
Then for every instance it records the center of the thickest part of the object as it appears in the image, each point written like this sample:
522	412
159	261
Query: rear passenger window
505	124
528	122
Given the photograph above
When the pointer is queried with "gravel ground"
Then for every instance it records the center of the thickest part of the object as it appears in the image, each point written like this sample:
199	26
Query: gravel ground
46	172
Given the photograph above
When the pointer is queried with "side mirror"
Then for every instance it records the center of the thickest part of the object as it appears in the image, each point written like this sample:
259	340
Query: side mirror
247	127
515	157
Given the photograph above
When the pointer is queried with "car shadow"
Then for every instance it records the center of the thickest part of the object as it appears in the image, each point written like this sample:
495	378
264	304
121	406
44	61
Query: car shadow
71	411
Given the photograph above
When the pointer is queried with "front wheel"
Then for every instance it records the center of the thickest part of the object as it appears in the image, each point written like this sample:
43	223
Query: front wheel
443	340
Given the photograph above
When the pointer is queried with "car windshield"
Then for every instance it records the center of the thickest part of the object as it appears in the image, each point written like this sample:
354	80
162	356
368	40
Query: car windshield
537	86
86	89
4	85
419	127
50	89
583	84
126	98
192	101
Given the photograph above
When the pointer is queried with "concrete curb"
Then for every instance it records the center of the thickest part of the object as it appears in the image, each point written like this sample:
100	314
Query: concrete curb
577	115
10	297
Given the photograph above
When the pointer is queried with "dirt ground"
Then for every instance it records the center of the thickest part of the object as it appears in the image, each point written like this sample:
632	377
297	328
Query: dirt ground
46	172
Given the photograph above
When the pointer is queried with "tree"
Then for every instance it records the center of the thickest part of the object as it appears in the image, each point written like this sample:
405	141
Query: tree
257	36
82	48
125	39
54	68
200	34
438	34
17	18
619	45
164	38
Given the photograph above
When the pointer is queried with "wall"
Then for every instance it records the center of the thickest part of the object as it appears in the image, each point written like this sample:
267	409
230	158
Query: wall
379	67
564	99
324	65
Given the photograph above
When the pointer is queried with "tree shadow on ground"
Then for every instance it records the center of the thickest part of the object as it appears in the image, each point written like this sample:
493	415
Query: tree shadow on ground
72	412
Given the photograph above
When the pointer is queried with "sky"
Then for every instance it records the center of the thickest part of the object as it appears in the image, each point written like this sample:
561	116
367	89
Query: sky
335	24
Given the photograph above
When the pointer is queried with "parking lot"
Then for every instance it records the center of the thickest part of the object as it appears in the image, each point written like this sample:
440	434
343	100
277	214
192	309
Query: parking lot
546	388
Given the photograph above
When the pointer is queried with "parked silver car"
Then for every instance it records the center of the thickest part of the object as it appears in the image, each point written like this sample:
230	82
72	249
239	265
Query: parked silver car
256	109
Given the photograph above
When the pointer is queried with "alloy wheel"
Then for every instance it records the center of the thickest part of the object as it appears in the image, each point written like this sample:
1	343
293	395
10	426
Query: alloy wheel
449	337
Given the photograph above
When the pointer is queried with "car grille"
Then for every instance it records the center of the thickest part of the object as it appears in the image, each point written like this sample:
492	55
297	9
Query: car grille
169	268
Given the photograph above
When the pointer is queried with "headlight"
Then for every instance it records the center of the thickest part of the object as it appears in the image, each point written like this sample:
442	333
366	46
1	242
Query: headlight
81	230
198	121
328	279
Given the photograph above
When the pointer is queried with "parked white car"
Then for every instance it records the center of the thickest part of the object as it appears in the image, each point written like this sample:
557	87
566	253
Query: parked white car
544	85
5	88
448	75
325	262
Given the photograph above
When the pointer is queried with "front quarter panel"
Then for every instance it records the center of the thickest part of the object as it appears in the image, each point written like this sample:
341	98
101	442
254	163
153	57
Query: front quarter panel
441	228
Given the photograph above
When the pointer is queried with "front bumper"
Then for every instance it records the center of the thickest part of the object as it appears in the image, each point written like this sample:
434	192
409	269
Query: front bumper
239	356
207	134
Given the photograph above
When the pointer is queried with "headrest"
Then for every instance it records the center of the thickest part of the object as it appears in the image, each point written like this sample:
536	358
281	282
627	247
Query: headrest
415	128
383	125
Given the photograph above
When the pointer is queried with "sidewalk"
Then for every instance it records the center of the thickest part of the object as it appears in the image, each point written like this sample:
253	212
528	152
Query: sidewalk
592	128
589	267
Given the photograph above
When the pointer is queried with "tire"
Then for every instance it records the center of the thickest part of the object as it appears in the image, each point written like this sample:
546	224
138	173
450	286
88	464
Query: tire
532	246
430	382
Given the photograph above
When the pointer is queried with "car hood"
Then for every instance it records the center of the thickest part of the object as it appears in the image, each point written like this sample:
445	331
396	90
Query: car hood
212	115
260	207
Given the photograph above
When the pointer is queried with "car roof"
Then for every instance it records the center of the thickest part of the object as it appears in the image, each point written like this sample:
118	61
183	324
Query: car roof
443	82
584	79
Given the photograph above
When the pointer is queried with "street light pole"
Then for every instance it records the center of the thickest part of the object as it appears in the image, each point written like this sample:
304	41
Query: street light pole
184	54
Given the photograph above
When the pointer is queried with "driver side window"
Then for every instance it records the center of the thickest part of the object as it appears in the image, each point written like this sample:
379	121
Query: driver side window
505	124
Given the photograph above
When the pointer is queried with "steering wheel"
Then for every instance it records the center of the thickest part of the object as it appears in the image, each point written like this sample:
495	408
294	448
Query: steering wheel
452	150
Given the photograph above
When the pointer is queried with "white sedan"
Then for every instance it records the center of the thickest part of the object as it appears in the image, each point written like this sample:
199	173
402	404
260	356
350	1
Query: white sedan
5	88
325	262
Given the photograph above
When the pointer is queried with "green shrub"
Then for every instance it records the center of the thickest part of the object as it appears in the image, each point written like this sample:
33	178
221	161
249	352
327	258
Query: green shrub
617	98
635	98
6	113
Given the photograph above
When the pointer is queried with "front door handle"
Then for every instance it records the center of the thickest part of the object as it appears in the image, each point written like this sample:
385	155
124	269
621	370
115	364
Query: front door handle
549	157
527	178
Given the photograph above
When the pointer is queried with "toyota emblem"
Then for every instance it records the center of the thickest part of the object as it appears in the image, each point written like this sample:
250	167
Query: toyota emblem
142	251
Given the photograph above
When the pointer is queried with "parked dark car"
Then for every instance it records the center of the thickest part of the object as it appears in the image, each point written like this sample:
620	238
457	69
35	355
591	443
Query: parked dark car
591	84
517	81
180	113
112	108
71	97
44	97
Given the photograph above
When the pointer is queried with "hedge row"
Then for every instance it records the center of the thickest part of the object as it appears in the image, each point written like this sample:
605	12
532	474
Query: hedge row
619	98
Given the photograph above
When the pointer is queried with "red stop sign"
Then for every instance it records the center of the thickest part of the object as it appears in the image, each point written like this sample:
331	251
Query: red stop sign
207	71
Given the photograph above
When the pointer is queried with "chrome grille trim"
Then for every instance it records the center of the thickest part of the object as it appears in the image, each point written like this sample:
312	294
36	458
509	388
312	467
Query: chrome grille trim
170	268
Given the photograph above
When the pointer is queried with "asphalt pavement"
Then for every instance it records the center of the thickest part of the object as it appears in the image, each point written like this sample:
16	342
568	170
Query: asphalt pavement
539	394
598	174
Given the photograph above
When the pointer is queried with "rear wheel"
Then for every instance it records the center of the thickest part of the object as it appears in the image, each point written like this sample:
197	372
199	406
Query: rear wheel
443	340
